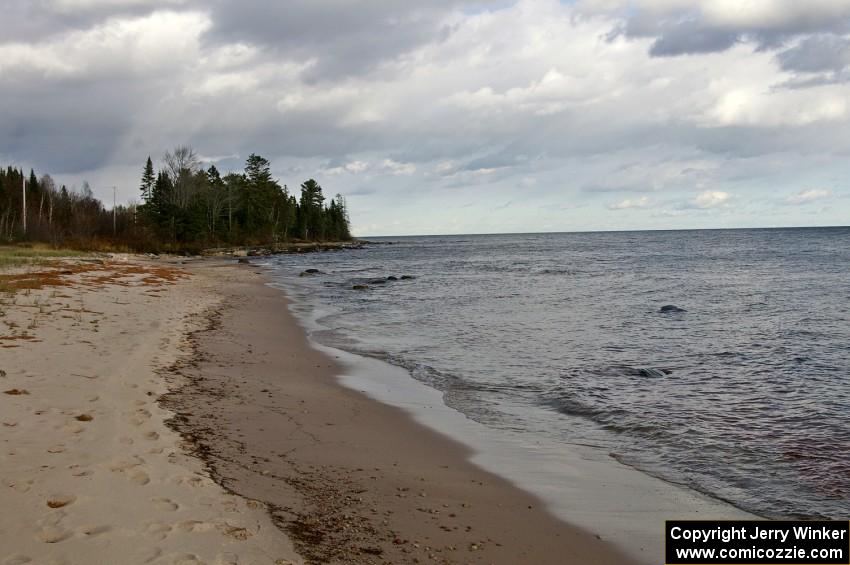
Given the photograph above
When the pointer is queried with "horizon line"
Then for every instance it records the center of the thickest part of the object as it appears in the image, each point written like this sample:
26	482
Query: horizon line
609	231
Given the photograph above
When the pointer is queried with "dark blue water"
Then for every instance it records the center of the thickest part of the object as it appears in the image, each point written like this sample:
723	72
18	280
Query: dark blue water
745	396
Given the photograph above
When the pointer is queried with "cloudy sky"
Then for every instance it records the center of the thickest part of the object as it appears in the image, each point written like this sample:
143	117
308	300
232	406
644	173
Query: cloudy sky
450	116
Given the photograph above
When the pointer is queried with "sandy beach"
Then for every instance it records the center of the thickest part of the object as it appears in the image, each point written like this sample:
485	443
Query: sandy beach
177	414
90	472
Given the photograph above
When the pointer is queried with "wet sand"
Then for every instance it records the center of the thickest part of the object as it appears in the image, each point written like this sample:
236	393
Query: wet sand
350	480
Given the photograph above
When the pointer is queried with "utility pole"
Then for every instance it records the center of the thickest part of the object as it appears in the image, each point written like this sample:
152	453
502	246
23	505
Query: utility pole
24	199
114	212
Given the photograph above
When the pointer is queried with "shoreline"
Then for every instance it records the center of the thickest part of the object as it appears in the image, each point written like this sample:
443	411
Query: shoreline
350	479
582	485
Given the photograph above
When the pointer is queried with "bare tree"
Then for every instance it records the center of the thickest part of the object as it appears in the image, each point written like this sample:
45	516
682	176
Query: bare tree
48	188
182	164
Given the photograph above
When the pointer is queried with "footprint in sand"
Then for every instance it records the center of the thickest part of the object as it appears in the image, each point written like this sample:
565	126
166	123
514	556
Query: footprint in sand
147	555
235	532
74	429
140	417
165	504
158	530
140	478
194	481
17	560
20	485
227	559
152	436
53	534
187	559
93	531
122	464
194	526
61	500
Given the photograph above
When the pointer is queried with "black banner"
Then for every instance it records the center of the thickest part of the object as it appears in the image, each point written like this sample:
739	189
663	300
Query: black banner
757	542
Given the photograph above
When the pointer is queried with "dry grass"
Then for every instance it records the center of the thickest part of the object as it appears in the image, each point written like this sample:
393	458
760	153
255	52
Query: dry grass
17	255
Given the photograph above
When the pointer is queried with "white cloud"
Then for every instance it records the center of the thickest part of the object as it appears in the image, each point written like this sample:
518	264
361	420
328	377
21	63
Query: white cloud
771	14
397	168
629	203
756	106
807	196
711	199
121	46
385	166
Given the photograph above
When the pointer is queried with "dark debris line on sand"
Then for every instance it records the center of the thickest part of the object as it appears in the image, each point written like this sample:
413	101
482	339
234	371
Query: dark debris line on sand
329	524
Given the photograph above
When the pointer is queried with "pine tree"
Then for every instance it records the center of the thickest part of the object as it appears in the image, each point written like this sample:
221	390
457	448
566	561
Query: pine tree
148	179
258	170
310	209
32	183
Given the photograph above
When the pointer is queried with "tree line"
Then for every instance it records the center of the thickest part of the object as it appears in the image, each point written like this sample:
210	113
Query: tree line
184	206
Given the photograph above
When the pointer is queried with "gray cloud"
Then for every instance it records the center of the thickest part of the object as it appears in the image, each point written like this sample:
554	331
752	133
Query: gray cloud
688	37
702	27
345	38
816	54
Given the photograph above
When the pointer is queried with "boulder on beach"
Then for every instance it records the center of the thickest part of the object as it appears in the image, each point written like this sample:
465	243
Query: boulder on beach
669	309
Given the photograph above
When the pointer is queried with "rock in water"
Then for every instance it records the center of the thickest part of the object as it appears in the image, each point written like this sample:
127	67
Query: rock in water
669	309
360	287
313	271
407	277
392	278
244	261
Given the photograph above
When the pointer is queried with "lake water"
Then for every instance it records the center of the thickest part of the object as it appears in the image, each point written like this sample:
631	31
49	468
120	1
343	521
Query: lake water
744	396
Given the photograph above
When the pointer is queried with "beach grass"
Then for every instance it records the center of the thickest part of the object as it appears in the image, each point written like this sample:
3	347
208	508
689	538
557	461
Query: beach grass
19	255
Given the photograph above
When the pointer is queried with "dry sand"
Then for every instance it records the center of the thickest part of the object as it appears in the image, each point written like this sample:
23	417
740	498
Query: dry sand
349	479
89	472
